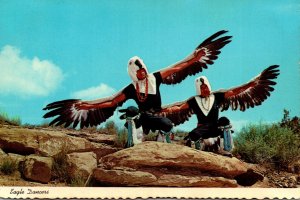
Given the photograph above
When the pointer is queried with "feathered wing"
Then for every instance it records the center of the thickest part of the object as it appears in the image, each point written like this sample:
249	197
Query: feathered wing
252	93
85	113
204	55
178	112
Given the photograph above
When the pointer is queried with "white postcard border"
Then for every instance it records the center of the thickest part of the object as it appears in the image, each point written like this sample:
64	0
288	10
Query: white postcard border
149	192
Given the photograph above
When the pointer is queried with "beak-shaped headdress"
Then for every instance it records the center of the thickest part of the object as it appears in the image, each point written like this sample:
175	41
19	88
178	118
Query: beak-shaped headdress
134	65
146	85
203	89
202	86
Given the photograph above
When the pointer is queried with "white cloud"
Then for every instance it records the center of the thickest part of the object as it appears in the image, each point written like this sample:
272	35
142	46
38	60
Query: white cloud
91	93
27	77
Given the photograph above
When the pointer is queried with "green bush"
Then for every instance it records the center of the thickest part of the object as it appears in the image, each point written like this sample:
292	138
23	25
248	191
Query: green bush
8	166
152	136
121	138
291	123
4	117
109	128
181	134
59	167
268	144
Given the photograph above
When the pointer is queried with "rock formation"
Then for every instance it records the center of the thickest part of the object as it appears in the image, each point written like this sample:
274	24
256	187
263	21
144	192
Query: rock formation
46	142
162	164
36	168
81	164
32	151
86	155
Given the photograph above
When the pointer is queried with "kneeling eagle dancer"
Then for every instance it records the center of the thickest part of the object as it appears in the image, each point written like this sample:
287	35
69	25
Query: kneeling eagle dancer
144	89
206	104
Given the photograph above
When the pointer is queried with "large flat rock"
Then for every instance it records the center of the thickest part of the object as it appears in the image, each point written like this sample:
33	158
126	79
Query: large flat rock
163	164
47	142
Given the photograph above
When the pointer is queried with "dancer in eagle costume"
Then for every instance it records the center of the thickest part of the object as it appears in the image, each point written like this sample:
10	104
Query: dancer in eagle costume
144	89
207	104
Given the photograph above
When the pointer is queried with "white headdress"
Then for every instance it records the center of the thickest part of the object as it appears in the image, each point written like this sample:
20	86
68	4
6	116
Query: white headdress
133	67
198	83
205	104
134	64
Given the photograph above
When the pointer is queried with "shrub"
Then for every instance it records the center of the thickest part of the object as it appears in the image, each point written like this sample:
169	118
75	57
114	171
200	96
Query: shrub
77	181
152	136
8	166
10	120
109	128
59	167
121	138
268	144
181	134
291	123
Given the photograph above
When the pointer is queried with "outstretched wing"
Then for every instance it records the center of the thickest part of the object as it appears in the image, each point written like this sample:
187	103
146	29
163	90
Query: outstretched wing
85	113
178	112
252	93
204	55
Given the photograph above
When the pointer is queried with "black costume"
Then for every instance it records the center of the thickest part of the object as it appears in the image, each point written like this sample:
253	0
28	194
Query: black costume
151	104
207	125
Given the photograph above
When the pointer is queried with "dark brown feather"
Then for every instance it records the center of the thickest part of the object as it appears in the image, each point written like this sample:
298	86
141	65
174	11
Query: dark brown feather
178	117
66	113
252	93
213	44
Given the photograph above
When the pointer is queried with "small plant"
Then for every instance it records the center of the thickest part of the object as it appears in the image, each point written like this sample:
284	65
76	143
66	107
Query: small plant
8	166
4	117
291	123
152	136
121	138
109	128
77	181
59	167
181	134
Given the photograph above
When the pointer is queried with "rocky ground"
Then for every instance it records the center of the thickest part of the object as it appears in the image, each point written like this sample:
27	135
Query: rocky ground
63	157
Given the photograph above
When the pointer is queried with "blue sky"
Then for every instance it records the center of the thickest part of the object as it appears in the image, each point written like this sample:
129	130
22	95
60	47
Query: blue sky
54	50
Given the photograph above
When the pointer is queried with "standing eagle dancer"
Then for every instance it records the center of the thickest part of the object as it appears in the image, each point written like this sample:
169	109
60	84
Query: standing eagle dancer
144	89
206	104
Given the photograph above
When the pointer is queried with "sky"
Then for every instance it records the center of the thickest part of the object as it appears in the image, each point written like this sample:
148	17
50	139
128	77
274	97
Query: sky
62	49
